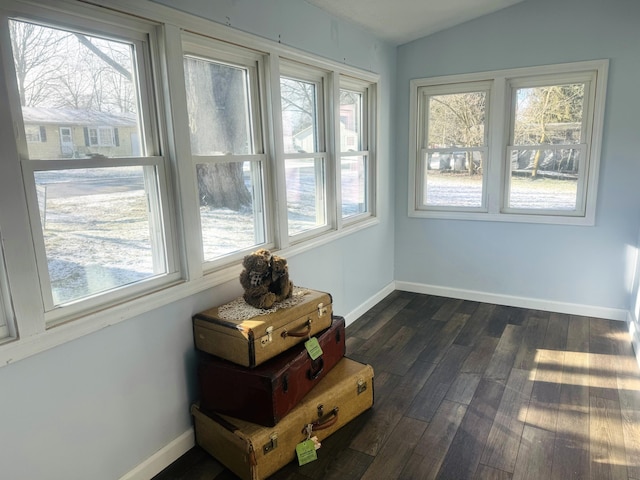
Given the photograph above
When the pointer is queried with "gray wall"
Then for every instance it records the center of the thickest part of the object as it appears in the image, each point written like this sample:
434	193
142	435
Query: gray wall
96	407
566	264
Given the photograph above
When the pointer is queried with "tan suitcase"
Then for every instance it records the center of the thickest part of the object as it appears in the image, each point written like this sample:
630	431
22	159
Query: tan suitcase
249	336
254	452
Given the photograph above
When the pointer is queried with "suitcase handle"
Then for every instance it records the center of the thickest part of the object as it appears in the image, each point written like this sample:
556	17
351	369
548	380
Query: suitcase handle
314	375
304	333
327	421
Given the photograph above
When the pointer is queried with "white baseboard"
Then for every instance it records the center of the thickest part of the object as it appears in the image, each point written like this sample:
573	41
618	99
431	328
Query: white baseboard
512	301
162	458
356	313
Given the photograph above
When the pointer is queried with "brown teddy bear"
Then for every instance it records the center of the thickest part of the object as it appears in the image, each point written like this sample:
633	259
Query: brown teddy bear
256	279
281	286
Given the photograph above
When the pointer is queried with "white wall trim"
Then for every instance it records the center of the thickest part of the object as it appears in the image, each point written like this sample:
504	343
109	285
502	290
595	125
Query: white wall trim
356	313
162	458
513	301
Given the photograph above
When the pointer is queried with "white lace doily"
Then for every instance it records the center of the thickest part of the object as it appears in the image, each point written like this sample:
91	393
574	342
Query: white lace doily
238	309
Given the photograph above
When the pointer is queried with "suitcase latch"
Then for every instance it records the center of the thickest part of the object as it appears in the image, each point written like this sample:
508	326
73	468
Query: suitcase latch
362	386
322	310
272	444
268	338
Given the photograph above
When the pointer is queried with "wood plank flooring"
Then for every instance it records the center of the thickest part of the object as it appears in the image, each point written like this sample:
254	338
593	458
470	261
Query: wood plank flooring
467	390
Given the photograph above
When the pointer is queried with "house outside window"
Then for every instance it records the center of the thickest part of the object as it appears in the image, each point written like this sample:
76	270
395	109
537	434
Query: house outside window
512	145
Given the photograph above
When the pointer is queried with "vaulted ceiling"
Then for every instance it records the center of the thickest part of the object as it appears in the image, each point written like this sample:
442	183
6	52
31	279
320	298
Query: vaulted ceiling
401	21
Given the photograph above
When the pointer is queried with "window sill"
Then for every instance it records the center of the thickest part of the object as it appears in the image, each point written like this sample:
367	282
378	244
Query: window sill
588	220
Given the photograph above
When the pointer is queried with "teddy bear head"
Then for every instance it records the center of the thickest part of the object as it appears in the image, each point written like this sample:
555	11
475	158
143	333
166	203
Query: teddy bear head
257	266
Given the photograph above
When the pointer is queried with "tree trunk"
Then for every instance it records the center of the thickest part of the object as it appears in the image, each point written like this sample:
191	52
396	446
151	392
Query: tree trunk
221	185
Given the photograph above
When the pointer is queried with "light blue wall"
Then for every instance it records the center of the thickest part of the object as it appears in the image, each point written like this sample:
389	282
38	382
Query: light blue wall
573	265
97	407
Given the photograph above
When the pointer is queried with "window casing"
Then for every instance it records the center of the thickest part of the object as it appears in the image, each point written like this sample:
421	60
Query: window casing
521	145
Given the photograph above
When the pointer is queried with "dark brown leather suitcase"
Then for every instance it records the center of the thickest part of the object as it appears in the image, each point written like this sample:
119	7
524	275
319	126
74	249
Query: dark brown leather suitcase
253	452
249	336
266	393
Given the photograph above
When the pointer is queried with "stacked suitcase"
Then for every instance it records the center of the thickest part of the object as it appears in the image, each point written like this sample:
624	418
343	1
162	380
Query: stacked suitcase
268	394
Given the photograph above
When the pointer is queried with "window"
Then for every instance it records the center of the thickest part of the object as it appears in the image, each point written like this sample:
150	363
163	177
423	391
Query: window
302	95
355	157
513	145
99	218
227	147
101	137
35	134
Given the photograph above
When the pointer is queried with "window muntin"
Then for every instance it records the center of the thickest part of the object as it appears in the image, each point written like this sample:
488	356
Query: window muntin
227	149
305	161
454	146
547	148
78	78
355	158
570	147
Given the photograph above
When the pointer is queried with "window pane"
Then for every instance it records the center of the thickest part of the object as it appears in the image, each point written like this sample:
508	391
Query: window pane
97	228
350	121
305	194
457	120
231	209
454	179
549	115
544	179
299	116
354	185
78	81
219	107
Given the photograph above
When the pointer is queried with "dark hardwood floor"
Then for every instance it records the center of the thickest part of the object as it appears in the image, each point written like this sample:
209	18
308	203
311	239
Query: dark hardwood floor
467	390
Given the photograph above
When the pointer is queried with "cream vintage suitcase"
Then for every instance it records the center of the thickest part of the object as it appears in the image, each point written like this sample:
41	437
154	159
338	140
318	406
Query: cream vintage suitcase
249	336
254	452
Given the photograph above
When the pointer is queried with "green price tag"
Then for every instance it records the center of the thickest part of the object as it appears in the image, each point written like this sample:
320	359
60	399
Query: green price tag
306	452
313	347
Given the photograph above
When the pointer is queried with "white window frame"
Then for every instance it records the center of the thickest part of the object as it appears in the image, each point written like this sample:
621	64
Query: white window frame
368	132
424	95
500	123
323	82
142	35
212	50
